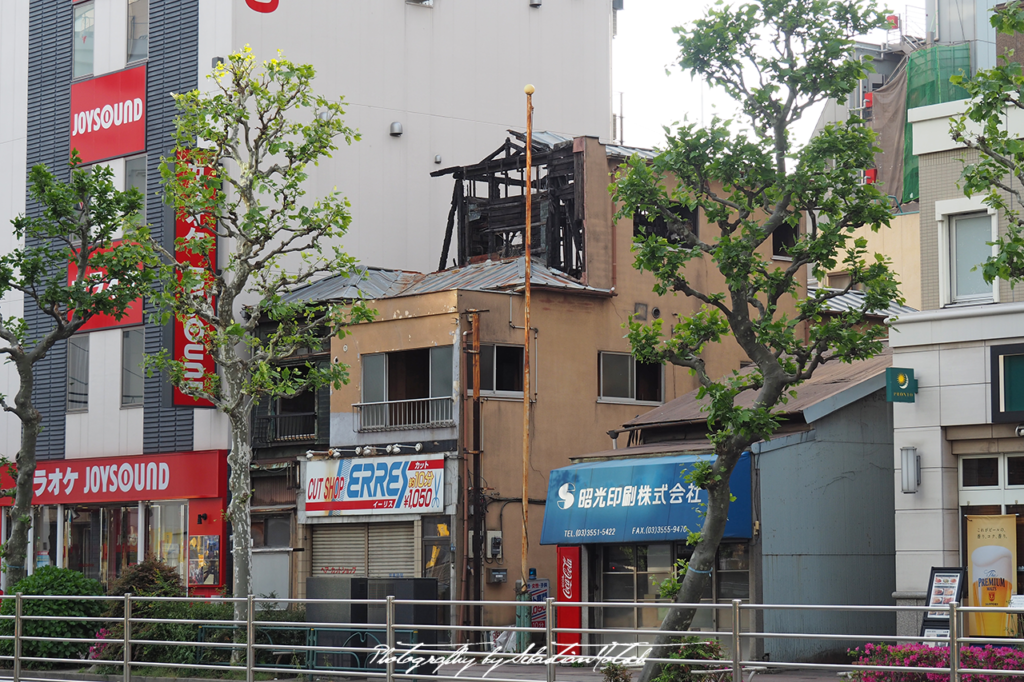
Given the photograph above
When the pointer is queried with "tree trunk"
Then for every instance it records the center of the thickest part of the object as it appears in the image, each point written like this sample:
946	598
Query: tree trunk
16	548
700	564
240	487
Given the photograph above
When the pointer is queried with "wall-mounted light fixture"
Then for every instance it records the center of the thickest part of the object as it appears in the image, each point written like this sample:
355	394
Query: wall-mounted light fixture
200	518
396	129
911	465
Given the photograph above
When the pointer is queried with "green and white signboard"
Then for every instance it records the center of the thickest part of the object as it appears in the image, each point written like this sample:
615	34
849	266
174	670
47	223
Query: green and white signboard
900	385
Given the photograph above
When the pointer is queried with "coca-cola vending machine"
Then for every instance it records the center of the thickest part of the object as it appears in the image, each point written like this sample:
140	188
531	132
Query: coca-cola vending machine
568	590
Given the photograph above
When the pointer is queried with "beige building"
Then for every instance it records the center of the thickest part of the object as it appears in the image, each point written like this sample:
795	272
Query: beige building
411	373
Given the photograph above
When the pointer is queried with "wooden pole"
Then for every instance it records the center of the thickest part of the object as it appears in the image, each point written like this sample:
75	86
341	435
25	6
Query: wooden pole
527	238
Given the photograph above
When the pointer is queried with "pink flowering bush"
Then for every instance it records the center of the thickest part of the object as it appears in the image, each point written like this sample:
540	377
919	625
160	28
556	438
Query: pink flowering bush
921	656
96	650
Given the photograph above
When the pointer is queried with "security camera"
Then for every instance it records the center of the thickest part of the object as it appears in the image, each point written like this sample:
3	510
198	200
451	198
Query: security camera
1019	431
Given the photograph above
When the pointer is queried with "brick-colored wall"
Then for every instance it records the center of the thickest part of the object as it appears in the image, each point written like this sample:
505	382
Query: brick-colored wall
940	176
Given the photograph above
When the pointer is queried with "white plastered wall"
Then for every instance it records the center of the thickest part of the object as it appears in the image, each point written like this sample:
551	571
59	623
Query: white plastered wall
14	21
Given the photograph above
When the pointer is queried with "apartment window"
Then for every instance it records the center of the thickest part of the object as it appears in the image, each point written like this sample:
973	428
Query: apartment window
138	30
622	377
132	384
84	39
1007	380
135	176
645	224
501	369
407	389
968	249
78	373
783	239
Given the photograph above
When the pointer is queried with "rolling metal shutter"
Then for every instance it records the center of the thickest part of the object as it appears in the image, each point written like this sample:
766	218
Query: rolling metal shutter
392	550
339	546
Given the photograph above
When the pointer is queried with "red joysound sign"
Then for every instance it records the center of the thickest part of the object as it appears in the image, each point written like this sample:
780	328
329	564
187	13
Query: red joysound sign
108	115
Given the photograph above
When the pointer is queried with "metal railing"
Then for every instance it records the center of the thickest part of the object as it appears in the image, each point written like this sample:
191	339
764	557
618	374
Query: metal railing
274	429
145	640
396	415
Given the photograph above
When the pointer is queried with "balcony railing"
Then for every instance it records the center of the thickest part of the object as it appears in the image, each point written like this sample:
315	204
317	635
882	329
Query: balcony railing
396	415
277	429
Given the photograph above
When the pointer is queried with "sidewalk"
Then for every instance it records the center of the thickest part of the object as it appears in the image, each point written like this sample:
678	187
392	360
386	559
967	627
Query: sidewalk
568	674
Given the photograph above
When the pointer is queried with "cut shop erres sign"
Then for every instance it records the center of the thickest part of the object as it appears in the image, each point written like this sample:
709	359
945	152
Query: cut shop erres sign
374	485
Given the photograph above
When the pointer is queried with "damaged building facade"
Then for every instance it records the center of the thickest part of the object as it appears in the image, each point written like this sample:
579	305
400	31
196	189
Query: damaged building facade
412	404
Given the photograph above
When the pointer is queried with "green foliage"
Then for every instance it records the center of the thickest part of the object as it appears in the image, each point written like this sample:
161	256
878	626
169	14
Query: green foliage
261	130
747	183
692	648
53	581
149	578
671	585
616	672
994	92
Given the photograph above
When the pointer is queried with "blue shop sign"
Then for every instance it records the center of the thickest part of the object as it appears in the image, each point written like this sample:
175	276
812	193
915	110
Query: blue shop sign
637	500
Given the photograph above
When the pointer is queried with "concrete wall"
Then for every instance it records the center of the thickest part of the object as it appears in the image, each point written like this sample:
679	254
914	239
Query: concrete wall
827	535
451	74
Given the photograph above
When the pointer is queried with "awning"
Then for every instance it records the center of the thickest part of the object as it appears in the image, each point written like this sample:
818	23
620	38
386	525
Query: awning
637	500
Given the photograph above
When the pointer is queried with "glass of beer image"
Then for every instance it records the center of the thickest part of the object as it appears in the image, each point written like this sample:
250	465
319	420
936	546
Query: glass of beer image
992	570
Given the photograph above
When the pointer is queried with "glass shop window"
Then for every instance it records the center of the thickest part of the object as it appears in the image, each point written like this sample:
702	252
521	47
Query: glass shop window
167	533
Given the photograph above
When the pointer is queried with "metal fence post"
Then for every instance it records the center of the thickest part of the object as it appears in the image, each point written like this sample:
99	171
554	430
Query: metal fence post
250	637
552	648
737	673
954	643
17	638
126	668
390	619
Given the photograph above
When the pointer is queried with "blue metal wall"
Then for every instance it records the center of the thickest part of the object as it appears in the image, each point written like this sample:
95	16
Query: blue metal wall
828	533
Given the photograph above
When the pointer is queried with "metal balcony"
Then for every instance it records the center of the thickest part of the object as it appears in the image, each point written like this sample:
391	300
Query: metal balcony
397	415
278	429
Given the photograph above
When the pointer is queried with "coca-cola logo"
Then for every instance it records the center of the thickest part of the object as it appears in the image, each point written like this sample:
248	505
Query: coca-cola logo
566	578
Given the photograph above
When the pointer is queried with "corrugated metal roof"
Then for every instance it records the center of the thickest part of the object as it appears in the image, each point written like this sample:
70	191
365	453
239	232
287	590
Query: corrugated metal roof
652	450
854	300
375	283
552	140
828	380
364	283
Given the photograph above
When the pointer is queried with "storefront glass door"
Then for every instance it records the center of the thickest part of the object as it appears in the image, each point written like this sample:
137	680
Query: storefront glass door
167	533
102	541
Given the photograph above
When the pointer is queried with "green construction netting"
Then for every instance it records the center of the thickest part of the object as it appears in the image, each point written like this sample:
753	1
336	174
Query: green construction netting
928	73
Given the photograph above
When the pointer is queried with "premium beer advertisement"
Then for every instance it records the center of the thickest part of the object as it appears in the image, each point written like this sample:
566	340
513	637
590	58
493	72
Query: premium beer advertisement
992	578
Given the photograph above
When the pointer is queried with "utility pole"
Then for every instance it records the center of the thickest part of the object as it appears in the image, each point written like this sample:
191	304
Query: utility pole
529	90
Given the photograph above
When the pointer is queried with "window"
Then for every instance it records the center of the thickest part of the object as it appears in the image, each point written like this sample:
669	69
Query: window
138	30
783	238
132	381
135	176
644	224
501	369
979	472
1007	379
84	37
78	373
272	531
407	389
968	249
623	378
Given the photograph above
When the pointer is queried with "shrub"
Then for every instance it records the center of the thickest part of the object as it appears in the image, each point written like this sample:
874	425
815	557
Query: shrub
921	656
50	580
616	672
692	648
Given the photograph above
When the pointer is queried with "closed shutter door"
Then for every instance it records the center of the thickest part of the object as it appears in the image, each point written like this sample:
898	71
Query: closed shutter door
392	550
338	548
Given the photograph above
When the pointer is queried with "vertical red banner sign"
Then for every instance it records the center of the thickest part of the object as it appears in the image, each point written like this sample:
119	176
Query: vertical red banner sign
133	313
191	337
568	590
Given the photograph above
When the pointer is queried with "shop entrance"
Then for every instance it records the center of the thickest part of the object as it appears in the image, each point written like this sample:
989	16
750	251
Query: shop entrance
635	573
991	485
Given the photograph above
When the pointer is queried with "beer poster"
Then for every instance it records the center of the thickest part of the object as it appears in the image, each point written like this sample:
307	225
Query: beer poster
992	574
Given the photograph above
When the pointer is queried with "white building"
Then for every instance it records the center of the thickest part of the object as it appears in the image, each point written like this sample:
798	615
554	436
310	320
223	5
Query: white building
448	74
